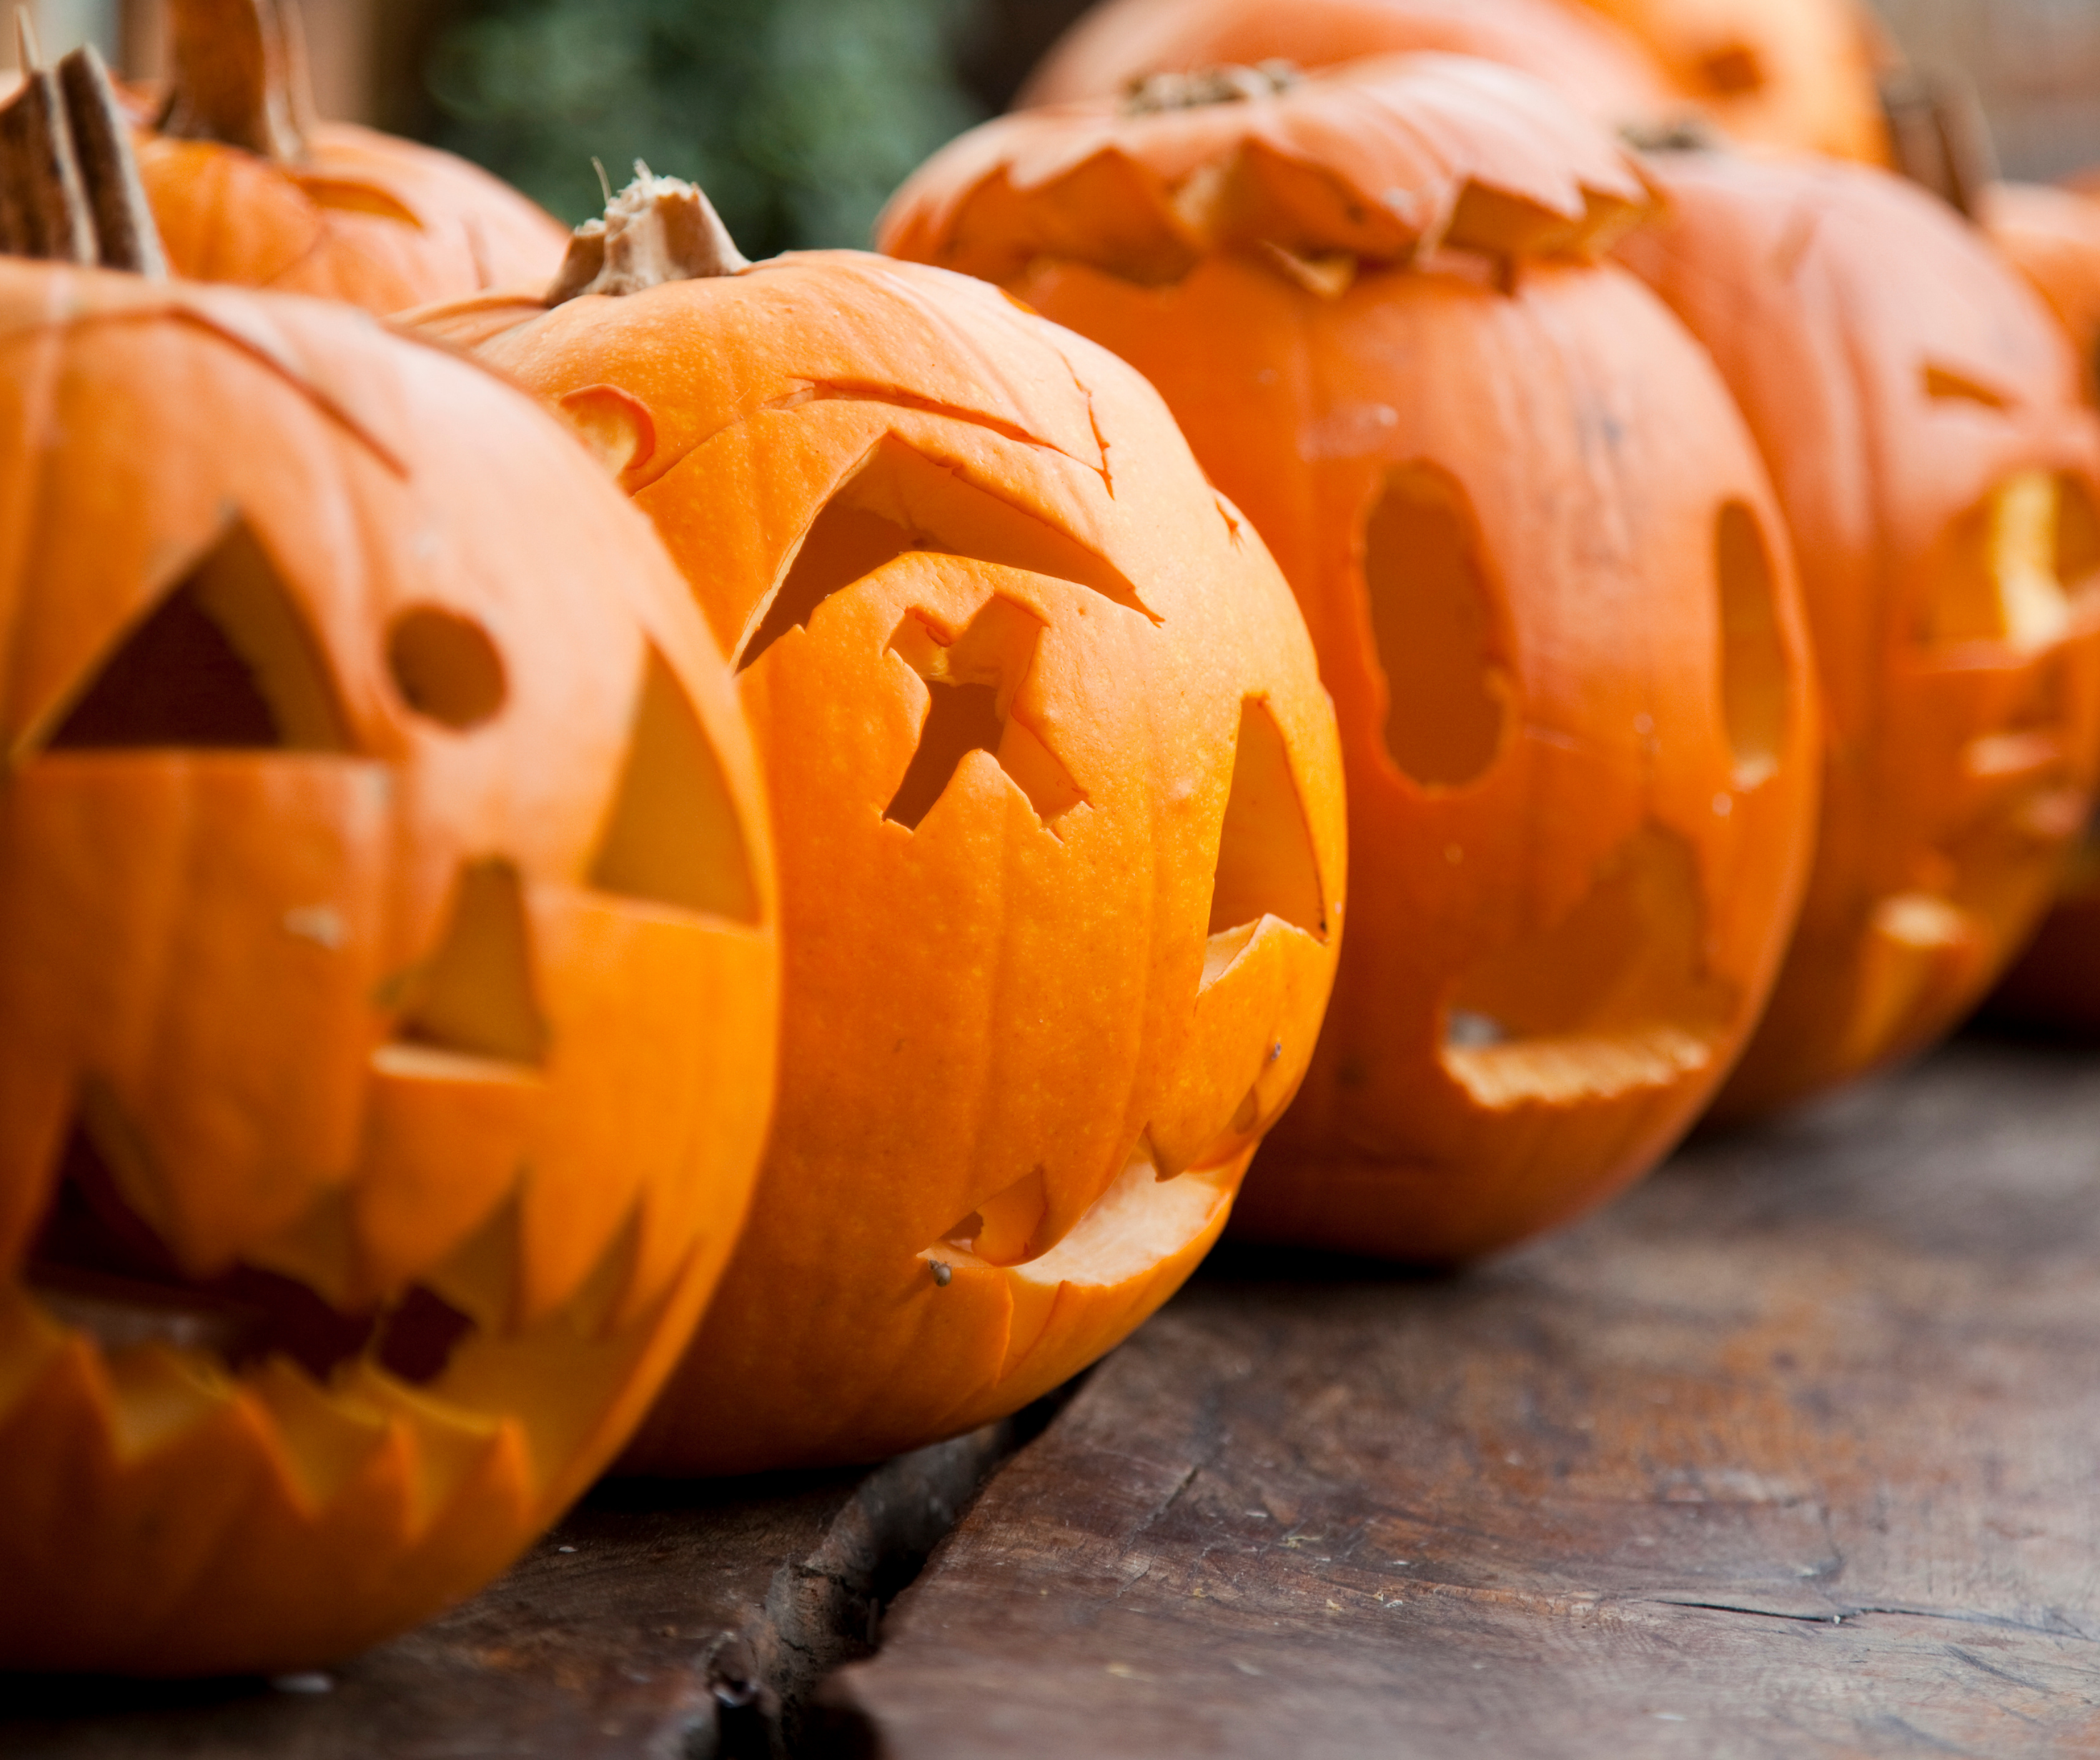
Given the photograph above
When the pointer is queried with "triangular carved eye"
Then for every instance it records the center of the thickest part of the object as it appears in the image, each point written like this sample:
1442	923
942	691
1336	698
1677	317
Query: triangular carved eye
1266	862
897	499
225	660
474	996
971	685
672	837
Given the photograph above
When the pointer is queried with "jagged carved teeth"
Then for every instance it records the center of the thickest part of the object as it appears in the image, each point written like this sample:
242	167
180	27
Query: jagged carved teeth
423	1374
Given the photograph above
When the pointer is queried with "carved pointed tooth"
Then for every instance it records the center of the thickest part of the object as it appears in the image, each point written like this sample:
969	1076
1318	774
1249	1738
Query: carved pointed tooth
594	1311
327	1441
445	1446
481	1279
321	1251
444	1146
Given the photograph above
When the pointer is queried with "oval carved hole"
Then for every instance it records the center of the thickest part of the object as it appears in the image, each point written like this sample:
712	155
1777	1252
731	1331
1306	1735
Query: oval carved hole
1755	694
445	667
2077	533
1447	693
2000	576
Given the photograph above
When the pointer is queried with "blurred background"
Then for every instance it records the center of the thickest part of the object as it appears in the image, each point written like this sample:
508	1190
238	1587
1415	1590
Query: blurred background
800	116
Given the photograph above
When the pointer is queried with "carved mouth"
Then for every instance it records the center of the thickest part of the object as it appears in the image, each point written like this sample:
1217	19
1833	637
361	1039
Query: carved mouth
99	1269
439	1392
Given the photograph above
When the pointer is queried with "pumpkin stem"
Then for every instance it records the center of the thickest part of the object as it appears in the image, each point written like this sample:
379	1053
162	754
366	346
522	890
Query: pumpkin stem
1231	83
238	74
657	229
69	188
126	236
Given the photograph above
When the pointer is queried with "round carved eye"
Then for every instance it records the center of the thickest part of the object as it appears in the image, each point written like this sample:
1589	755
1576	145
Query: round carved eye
445	667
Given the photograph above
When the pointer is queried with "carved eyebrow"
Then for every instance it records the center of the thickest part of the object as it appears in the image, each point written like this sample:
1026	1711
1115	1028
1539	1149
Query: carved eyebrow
897	499
1944	383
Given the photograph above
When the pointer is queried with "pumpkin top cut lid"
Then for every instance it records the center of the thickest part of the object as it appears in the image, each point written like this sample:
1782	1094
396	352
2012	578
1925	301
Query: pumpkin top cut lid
1383	160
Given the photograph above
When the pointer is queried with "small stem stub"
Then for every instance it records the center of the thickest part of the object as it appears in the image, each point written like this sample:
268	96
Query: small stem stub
1232	83
657	229
69	187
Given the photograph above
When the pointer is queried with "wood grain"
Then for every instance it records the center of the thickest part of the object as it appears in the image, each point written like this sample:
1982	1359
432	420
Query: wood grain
1794	1453
660	1622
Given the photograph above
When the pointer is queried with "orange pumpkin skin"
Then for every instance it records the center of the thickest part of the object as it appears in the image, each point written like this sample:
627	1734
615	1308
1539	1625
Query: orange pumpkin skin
2052	236
1919	410
388	976
1035	1021
1788	73
1575	810
1795	73
1597	64
361	217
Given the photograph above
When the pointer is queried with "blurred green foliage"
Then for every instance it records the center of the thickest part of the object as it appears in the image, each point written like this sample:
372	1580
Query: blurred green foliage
797	116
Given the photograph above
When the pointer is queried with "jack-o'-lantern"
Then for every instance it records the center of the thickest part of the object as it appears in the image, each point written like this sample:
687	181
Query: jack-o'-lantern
1786	72
249	187
2052	236
1919	410
1545	577
388	976
1121	42
1058	806
1789	74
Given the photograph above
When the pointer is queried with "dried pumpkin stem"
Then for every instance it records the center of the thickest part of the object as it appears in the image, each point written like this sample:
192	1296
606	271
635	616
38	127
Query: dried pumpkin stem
43	210
657	229
237	74
69	188
125	234
1231	83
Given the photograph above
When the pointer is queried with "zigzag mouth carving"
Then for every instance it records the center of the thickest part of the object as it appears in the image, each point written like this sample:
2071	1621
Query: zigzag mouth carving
97	1267
351	1397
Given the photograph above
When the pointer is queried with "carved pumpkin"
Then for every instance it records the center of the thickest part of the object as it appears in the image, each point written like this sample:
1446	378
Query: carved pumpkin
1059	816
1786	72
1596	64
1794	73
2052	236
1544	575
388	976
1919	410
249	187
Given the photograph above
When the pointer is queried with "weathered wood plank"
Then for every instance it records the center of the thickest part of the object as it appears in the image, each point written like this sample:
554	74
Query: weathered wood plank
1792	1453
658	1622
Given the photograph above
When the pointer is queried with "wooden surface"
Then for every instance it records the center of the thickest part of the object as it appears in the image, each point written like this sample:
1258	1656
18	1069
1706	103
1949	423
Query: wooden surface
658	1622
1795	1452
